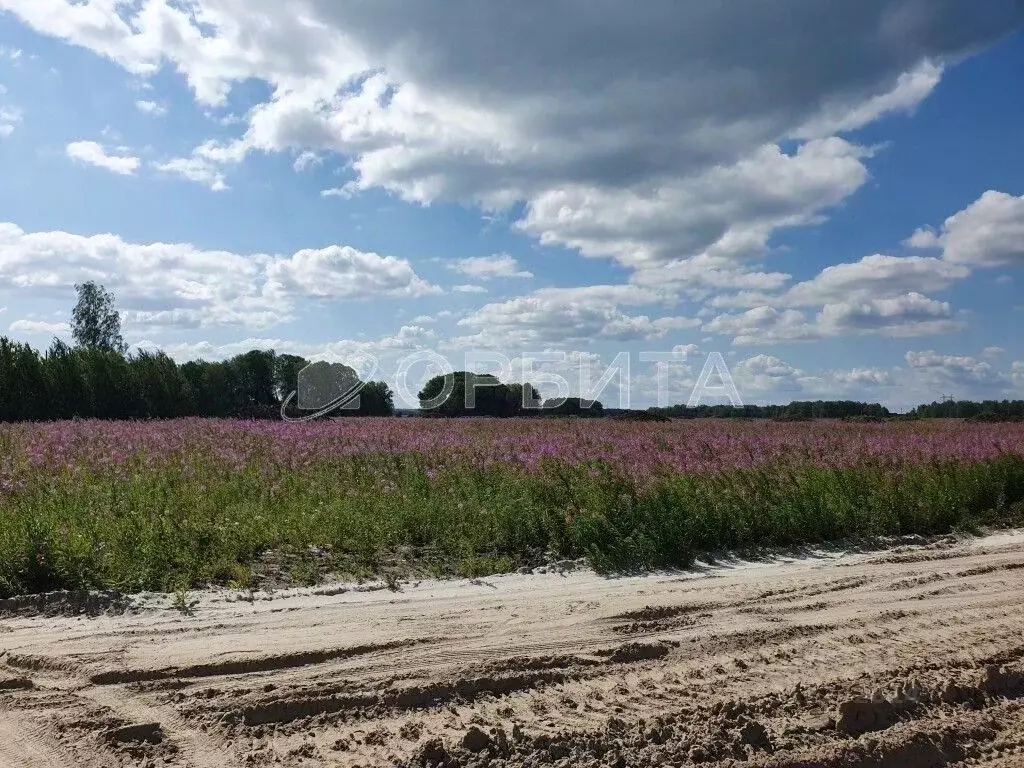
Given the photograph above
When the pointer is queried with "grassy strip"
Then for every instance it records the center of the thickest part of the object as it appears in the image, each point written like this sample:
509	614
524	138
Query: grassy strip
137	528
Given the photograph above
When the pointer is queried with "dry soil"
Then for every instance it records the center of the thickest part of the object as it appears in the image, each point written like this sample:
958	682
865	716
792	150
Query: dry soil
908	656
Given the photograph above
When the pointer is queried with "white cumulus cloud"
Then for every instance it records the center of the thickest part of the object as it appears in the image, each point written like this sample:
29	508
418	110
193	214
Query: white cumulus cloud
38	327
148	107
488	267
491	103
9	119
93	153
987	233
161	285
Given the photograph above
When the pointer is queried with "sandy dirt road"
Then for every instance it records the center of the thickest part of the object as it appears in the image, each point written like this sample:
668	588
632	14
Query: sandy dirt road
911	656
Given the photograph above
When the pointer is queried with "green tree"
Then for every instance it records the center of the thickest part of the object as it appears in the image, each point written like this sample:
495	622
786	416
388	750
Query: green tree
323	384
376	399
112	383
286	374
163	389
254	373
66	382
574	406
95	323
211	387
23	395
476	394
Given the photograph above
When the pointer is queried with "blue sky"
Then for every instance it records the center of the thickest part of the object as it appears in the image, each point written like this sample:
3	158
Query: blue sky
834	200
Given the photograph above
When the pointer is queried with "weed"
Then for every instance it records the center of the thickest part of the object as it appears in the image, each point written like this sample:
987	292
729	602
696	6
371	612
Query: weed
181	602
180	505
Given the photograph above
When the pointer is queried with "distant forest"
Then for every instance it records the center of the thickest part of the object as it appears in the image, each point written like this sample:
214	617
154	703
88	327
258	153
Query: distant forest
68	382
988	410
99	378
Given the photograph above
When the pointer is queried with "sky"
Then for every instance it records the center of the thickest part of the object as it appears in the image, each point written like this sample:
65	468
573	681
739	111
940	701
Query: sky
829	195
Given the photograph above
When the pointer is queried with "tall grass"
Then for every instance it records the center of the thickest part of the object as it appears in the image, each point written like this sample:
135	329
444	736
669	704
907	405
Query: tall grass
150	518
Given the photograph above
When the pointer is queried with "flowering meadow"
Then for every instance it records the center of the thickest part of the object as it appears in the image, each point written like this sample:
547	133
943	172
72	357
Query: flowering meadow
163	505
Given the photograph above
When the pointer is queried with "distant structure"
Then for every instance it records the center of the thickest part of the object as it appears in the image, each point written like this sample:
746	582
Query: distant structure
956	407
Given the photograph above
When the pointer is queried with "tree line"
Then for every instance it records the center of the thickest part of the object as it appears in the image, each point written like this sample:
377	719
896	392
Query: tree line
66	382
81	382
464	393
797	411
987	410
98	378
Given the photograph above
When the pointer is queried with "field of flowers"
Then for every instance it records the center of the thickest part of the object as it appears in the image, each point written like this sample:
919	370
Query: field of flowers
174	504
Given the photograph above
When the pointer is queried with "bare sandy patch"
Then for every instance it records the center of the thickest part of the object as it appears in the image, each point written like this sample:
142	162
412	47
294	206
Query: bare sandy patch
910	656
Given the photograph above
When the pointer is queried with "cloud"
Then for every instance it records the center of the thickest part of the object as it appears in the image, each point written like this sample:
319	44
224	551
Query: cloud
9	119
92	153
408	338
910	90
771	376
488	267
161	285
197	169
766	373
964	374
700	276
923	238
911	314
867	377
346	191
764	325
987	233
568	315
880	293
728	211
205	350
1017	373
993	352
565	112
154	108
490	103
341	272
306	160
873	276
469	288
39	327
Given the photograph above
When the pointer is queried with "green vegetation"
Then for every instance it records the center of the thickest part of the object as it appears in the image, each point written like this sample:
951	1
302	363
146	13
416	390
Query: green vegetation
988	410
798	410
172	505
574	406
87	382
201	520
476	394
95	323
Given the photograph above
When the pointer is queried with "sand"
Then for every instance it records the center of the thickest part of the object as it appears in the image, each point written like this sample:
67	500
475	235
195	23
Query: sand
907	656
